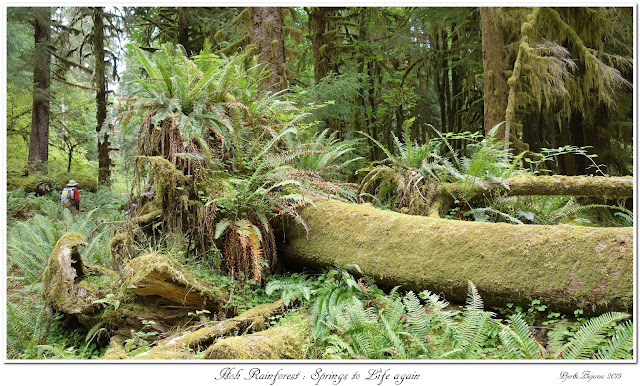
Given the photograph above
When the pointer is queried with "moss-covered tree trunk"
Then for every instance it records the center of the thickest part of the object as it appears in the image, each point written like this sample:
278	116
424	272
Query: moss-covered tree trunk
493	62
267	25
100	80
565	267
317	29
39	139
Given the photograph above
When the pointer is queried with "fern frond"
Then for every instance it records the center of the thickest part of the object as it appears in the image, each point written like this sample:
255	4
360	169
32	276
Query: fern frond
474	300
518	339
590	335
620	346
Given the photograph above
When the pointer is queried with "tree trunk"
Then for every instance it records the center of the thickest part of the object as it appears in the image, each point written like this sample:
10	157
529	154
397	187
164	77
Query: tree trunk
565	267
317	28
493	62
39	139
100	80
267	24
183	29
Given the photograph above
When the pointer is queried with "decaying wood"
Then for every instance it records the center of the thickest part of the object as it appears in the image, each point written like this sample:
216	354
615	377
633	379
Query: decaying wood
155	275
253	319
67	281
287	341
565	267
179	347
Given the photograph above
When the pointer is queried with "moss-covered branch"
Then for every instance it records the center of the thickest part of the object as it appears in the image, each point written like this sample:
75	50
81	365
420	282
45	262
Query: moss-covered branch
527	185
565	267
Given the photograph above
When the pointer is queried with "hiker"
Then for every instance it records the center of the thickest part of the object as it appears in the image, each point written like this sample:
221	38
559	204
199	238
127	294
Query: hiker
70	197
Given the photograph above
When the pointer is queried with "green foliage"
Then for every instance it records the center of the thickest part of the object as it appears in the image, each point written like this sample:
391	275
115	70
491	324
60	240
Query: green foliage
139	343
239	145
27	326
331	99
29	245
401	327
328	156
290	292
339	287
412	168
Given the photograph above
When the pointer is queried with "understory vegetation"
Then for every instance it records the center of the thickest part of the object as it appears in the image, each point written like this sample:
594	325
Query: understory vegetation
216	150
350	317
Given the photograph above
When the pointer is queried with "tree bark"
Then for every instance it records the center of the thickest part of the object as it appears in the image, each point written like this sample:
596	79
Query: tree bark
101	83
183	29
565	267
493	62
39	139
317	28
267	24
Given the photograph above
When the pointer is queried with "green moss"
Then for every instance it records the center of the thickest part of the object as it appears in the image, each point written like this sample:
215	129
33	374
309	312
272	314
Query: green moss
69	285
565	267
116	349
63	287
160	266
34	183
87	182
164	355
288	341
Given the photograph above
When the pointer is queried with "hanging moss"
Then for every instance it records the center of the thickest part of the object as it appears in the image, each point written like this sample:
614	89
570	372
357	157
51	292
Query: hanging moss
565	267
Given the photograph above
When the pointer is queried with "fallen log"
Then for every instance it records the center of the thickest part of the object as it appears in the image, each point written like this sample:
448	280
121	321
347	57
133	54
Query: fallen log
287	341
565	267
158	276
527	185
182	346
253	319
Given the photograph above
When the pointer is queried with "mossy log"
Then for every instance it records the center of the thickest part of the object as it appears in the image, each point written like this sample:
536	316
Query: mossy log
156	275
565	267
441	196
253	319
180	346
287	341
527	185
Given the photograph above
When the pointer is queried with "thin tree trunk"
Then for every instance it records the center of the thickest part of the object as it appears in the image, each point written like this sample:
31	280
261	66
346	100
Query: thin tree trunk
39	139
